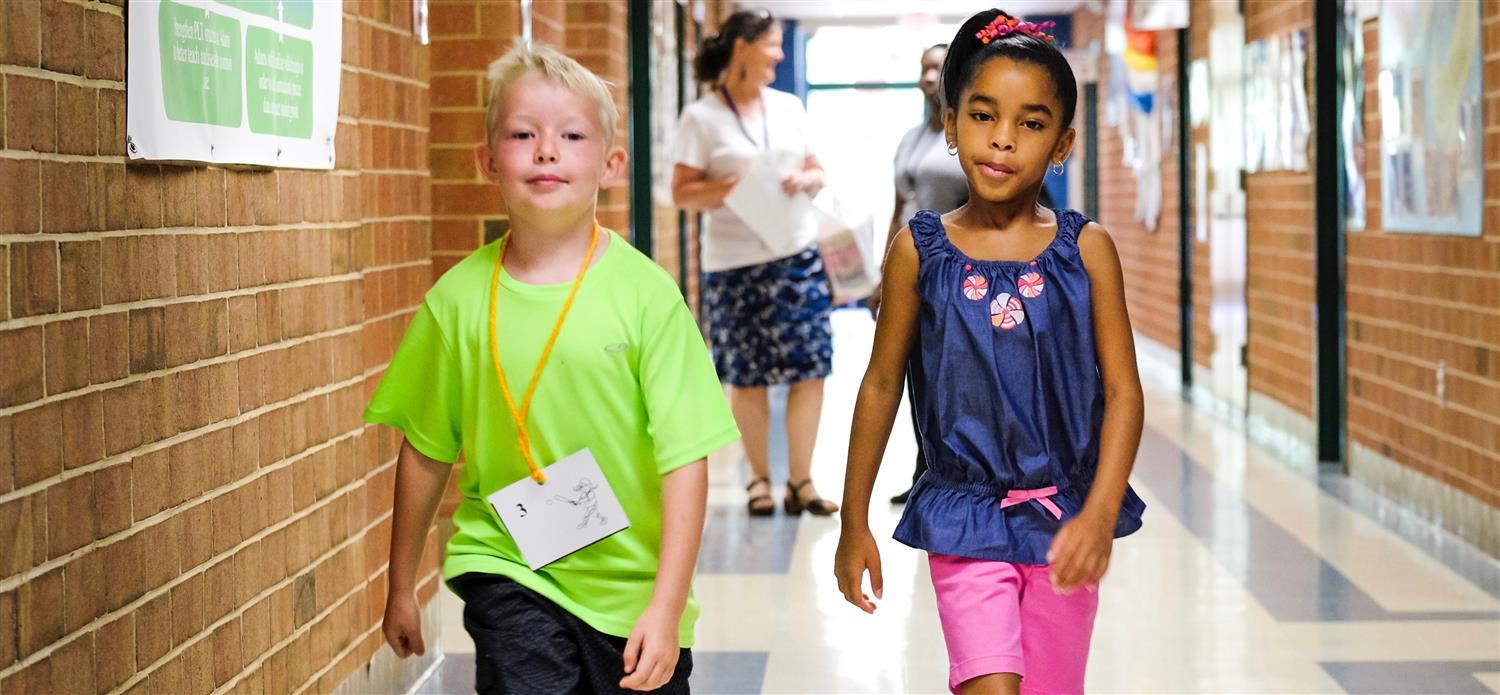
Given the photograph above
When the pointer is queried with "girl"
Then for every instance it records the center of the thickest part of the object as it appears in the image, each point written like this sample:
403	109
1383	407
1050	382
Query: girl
1028	402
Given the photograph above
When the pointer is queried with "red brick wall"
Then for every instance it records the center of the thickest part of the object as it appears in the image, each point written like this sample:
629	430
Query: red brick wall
1148	257
1280	224
1203	292
466	36
1416	301
596	36
188	499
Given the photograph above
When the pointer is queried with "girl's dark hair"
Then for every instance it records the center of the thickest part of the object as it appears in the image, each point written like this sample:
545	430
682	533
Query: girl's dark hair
713	56
967	53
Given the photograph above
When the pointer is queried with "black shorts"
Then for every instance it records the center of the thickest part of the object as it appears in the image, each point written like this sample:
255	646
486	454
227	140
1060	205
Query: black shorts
526	644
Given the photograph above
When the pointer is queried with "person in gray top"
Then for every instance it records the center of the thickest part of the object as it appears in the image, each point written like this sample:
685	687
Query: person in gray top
928	177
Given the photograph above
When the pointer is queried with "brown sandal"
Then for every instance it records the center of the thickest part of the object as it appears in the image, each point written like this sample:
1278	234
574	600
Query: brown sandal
766	509
816	506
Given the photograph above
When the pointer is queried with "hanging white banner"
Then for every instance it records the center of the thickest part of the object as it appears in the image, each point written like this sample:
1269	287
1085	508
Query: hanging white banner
1156	15
234	81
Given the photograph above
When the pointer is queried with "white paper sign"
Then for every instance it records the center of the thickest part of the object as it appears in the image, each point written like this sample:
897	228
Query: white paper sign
234	81
1157	15
574	509
781	221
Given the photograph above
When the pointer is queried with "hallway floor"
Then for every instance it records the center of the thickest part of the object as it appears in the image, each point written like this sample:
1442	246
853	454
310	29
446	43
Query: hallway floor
1250	576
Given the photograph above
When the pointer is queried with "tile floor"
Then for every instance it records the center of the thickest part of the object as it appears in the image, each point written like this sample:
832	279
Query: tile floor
1250	576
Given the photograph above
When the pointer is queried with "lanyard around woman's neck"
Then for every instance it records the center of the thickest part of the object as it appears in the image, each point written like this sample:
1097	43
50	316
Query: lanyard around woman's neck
765	135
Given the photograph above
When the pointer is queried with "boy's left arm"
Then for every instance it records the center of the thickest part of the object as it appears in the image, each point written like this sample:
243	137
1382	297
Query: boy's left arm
1080	551
688	417
652	652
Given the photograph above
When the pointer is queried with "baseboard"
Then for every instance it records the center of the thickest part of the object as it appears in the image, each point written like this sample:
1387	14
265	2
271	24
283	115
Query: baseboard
1161	366
387	674
1292	438
1212	403
1287	433
1428	498
1158	364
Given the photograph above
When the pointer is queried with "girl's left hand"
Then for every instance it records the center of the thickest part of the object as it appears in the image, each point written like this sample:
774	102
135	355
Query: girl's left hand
1080	552
653	649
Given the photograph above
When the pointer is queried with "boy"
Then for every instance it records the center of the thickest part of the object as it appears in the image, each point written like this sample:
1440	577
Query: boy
598	402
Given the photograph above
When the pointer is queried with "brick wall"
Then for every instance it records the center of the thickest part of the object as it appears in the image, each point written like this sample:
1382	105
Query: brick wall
1203	291
466	36
1417	301
596	37
188	499
1280	221
1149	258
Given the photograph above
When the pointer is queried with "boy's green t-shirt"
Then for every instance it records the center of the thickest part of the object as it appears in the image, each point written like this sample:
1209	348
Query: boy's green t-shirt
629	379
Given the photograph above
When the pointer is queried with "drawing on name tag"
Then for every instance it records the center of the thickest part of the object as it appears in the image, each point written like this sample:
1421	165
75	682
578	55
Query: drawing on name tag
586	500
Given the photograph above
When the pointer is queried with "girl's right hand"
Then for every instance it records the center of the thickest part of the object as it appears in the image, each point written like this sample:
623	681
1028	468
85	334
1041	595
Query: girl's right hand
857	553
403	624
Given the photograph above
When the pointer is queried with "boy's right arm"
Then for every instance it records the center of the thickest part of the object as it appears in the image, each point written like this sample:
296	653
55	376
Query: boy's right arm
874	413
420	481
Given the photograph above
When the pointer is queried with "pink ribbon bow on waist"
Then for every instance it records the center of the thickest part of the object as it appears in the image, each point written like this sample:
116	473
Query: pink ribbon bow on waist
1039	495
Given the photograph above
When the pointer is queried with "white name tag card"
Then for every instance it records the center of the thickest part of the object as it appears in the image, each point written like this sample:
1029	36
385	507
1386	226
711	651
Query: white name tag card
573	510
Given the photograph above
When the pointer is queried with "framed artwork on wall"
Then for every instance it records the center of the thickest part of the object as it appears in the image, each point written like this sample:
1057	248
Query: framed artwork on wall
1431	118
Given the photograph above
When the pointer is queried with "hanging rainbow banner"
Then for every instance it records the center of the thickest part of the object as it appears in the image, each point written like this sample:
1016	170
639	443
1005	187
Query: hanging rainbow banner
1140	66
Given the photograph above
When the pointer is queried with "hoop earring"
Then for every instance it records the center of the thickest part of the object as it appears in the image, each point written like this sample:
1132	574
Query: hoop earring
953	150
1056	168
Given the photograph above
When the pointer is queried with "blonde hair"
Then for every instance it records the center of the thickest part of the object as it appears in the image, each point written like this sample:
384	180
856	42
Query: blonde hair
551	64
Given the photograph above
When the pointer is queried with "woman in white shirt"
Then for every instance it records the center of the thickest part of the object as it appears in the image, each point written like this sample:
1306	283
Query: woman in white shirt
766	297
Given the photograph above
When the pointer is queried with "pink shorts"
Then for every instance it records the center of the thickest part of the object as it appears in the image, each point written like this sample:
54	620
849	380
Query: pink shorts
1000	617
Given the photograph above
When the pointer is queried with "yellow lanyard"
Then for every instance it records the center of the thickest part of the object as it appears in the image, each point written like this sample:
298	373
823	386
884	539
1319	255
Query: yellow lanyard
510	402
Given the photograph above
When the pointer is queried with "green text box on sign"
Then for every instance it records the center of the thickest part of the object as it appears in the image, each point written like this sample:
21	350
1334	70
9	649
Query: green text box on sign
278	83
200	66
298	13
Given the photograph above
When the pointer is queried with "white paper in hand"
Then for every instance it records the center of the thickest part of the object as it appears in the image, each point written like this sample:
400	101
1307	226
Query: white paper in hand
782	222
575	509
